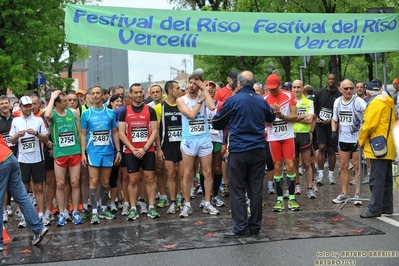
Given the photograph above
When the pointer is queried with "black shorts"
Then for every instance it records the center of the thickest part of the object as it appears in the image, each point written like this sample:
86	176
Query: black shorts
324	136
269	160
34	170
173	155
133	164
348	147
302	143
48	161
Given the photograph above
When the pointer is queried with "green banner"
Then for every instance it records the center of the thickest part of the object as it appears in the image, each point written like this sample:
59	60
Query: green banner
231	33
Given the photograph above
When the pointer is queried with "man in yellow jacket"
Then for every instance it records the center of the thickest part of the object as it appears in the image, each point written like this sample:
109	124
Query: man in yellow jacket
379	119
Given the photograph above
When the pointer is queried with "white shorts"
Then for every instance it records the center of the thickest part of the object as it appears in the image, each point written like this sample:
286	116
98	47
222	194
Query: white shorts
201	146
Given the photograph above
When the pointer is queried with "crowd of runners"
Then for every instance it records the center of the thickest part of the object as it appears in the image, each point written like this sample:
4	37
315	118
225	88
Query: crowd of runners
91	155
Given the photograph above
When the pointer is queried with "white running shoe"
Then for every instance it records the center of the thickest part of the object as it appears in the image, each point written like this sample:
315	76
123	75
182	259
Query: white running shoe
186	211
210	210
357	202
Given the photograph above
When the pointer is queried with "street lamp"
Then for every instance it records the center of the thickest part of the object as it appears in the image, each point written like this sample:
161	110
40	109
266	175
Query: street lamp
99	55
322	64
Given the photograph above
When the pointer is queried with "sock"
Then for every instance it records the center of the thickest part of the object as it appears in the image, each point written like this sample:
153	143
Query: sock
280	198
103	208
92	192
151	207
270	182
40	214
178	196
104	199
133	208
94	210
291	197
291	187
207	203
217	180
279	189
330	173
126	203
163	197
320	172
202	181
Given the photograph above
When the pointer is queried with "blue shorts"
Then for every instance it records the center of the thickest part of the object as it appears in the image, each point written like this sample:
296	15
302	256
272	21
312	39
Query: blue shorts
100	160
201	146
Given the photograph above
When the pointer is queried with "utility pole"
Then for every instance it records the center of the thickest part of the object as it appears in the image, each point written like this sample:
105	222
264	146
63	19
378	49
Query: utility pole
149	79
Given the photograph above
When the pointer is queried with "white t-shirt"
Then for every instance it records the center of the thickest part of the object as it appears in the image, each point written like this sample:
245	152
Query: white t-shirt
29	146
349	116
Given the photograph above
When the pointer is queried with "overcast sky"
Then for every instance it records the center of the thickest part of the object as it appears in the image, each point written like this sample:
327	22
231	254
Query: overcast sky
141	64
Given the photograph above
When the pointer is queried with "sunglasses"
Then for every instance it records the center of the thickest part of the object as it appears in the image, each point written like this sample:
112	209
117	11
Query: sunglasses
348	88
75	100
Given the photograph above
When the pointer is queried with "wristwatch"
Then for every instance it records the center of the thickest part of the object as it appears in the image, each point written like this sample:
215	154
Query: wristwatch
145	149
37	133
199	102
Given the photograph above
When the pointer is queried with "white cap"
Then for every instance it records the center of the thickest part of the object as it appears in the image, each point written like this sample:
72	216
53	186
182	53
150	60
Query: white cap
25	100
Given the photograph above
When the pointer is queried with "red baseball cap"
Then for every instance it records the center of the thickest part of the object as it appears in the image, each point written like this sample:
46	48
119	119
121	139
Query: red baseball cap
272	82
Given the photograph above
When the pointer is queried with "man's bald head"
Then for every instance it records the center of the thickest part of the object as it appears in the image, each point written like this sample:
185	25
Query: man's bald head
246	79
297	82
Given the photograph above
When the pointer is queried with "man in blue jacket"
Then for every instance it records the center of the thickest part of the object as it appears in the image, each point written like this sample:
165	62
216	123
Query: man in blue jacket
245	115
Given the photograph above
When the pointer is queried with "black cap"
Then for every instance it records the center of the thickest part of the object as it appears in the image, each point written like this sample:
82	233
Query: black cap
375	83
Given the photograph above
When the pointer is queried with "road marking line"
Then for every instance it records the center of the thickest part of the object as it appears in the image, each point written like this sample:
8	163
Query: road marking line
388	220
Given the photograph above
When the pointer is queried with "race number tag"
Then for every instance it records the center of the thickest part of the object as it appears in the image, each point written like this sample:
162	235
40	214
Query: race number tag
66	139
174	133
325	113
345	118
139	134
210	127
301	111
28	145
196	127
7	139
280	128
101	137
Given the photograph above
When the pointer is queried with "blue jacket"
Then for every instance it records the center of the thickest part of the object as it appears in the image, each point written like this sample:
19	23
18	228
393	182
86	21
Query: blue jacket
245	115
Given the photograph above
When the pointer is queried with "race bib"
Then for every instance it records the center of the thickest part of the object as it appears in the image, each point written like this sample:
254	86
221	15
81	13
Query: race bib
174	133
7	139
139	134
123	148
101	137
66	139
345	118
28	145
301	111
196	127
211	129
325	113
280	128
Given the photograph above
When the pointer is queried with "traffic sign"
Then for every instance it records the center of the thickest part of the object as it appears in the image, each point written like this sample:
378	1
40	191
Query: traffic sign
40	79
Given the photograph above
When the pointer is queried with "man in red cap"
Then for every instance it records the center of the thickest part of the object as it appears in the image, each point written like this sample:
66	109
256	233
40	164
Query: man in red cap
280	135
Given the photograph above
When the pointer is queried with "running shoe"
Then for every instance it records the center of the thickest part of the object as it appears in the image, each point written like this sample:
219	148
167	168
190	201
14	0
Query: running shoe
217	201
331	180
340	198
61	220
113	207
202	204
279	206
106	214
67	216
226	191
314	186
133	215
152	213
286	194
172	208
186	211
162	203
22	223
39	237
9	210
270	188
47	218
120	204
84	214
352	181
298	189
143	207
320	180
80	207
357	202
5	217
293	205
192	193
300	170
70	209
199	190
95	219
210	210
179	201
125	209
76	218
311	194
18	215
54	210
